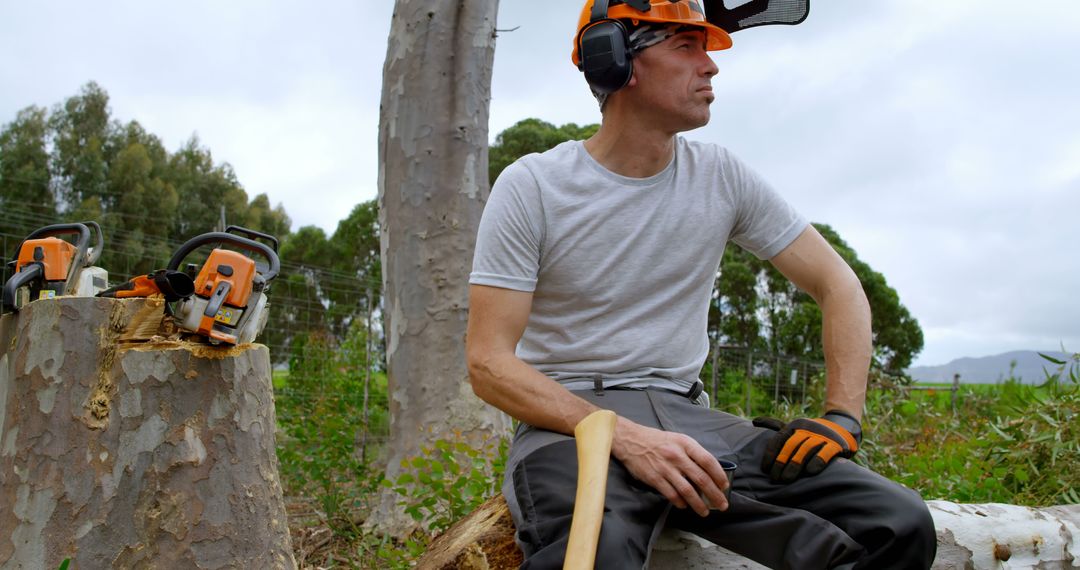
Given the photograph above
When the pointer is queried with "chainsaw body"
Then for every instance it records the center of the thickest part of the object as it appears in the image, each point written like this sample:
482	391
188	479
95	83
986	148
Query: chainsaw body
229	304
47	266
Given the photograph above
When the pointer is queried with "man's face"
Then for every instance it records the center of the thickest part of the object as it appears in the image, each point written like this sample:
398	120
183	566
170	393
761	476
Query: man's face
671	86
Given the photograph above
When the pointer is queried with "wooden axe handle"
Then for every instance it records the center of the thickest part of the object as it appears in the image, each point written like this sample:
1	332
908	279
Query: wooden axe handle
593	436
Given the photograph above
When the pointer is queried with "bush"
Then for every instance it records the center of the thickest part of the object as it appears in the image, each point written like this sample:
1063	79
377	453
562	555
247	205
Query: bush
439	487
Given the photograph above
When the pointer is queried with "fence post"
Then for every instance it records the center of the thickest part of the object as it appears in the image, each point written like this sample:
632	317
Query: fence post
955	390
749	377
367	378
805	381
776	381
715	362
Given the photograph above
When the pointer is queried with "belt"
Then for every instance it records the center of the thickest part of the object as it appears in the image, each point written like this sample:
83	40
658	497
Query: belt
694	393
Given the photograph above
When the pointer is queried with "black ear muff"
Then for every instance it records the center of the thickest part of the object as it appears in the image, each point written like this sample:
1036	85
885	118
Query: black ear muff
605	55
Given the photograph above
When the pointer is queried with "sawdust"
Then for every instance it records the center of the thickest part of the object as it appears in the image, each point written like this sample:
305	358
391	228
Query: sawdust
99	401
196	348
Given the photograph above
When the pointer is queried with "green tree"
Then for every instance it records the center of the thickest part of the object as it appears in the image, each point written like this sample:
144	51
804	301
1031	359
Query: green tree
327	285
80	133
734	310
264	218
356	249
141	203
204	189
298	301
790	320
25	193
77	163
528	136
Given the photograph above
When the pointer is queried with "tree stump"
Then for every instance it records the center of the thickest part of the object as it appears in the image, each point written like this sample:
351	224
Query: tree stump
970	537
118	453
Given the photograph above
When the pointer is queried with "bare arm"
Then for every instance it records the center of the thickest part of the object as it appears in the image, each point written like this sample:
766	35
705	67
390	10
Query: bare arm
815	267
672	463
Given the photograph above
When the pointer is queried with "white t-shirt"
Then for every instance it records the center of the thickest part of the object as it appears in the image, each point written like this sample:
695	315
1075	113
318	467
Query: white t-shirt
622	269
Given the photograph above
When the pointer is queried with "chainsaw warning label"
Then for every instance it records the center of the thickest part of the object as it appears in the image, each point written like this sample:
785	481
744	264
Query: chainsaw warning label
228	316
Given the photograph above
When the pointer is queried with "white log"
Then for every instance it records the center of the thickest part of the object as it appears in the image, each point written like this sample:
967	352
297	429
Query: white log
133	455
1006	536
970	537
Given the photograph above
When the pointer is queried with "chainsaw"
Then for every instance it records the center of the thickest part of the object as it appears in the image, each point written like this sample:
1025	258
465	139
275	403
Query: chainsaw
47	266
229	303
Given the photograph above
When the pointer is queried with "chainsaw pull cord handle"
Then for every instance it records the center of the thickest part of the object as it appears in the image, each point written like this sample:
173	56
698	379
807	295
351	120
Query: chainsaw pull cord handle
82	245
231	239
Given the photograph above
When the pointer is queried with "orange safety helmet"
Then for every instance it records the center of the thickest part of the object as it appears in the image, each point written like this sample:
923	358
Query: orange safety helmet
688	12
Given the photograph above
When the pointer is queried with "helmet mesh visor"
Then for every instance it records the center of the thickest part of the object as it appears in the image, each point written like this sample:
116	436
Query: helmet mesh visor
735	15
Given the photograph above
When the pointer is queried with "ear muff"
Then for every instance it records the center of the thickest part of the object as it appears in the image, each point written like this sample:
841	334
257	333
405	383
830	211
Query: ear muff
605	55
604	50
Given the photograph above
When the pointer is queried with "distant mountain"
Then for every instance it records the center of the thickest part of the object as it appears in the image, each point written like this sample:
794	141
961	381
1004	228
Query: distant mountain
991	369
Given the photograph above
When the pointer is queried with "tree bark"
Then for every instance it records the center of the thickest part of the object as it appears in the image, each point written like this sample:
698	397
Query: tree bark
970	537
120	454
432	187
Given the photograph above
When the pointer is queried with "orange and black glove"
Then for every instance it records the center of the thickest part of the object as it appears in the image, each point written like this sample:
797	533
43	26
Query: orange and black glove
806	446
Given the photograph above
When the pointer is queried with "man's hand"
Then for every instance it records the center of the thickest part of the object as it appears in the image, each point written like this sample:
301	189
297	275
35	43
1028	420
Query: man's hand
678	467
806	446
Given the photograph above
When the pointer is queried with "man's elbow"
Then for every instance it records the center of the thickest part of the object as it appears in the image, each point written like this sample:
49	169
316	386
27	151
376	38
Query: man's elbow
844	287
481	371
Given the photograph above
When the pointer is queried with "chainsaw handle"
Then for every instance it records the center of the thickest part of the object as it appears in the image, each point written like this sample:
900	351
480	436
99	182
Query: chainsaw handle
231	239
82	244
252	234
29	273
99	243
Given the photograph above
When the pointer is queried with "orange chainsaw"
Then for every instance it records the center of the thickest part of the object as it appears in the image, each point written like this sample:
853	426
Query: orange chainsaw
47	266
229	303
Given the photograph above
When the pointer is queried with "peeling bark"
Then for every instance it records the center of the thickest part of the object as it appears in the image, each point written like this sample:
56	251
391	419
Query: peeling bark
970	537
133	455
988	535
432	187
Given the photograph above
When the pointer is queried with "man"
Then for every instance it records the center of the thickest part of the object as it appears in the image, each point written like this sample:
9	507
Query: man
590	289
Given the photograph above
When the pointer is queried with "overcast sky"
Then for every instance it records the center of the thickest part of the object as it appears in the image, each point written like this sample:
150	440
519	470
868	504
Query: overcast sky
940	139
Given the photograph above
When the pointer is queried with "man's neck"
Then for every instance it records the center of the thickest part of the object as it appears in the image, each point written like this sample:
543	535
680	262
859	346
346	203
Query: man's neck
632	151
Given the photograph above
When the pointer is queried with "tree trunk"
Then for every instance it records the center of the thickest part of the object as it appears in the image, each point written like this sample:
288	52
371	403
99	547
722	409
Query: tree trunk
432	187
970	537
121	454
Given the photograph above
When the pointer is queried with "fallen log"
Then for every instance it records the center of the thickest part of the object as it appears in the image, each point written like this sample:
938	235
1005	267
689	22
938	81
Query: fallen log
118	453
970	537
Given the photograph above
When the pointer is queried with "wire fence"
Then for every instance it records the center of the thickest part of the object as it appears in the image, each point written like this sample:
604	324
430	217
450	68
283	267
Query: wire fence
747	381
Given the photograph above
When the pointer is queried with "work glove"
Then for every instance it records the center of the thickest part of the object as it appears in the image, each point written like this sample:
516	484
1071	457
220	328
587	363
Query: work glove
806	446
173	284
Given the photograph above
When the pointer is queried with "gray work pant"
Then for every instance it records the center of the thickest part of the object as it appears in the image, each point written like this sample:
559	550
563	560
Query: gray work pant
845	517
